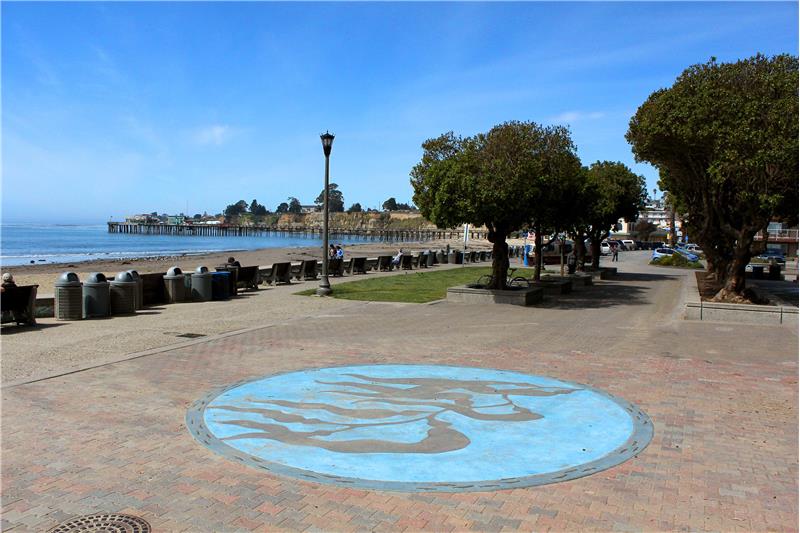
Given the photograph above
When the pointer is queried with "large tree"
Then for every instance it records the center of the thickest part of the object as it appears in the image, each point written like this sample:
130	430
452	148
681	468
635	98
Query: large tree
257	209
612	192
390	204
493	179
335	198
294	206
725	138
234	210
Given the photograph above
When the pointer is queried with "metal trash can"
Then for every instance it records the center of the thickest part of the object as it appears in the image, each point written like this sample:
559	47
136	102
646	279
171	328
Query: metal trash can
174	285
68	297
139	294
441	257
96	296
201	284
123	294
220	285
431	257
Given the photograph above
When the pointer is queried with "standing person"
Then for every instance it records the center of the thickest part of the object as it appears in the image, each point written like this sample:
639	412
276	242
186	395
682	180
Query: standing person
332	252
233	262
615	252
572	262
339	252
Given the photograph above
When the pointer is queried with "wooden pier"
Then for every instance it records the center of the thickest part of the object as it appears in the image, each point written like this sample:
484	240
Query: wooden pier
228	230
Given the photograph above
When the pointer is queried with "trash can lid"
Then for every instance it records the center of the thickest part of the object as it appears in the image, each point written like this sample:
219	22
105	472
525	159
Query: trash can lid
201	270
68	279
134	274
123	277
174	272
96	278
222	273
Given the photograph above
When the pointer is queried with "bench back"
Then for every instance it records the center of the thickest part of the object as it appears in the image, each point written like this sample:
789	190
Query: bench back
19	298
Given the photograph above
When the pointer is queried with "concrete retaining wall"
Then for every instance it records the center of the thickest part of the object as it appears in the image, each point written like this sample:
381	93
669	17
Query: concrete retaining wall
471	295
696	309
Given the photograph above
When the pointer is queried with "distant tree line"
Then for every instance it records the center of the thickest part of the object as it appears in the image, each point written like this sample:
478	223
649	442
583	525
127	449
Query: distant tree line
292	205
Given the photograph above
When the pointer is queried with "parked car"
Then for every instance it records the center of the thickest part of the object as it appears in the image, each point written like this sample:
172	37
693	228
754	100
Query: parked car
694	249
687	254
773	256
605	248
658	253
629	244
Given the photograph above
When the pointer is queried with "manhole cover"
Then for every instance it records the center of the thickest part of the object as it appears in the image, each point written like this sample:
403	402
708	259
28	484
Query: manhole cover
420	427
105	523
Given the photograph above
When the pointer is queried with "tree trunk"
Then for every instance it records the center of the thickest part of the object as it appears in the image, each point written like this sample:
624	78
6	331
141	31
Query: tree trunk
595	250
580	250
537	273
733	285
499	257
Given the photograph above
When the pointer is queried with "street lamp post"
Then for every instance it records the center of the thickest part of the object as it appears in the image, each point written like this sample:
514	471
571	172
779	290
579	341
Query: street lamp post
324	285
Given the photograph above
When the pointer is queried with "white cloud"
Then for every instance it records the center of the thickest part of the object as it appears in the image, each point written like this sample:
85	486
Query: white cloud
575	116
216	134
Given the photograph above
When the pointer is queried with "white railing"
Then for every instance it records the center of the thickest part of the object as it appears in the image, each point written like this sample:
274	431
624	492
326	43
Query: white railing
780	234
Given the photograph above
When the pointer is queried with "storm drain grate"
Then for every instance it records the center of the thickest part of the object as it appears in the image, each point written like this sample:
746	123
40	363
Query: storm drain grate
103	523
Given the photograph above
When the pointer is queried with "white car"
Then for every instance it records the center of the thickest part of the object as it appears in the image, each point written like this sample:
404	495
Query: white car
605	249
629	244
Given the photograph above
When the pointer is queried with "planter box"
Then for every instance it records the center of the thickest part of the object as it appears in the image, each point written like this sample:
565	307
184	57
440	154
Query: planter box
742	313
554	285
581	279
472	295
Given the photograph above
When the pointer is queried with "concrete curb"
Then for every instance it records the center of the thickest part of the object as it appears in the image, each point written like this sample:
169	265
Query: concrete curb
696	309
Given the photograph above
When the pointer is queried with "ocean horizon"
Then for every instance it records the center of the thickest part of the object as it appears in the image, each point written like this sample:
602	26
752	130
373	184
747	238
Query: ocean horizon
25	244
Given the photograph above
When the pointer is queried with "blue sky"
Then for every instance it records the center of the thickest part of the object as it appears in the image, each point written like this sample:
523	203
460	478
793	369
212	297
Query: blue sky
111	109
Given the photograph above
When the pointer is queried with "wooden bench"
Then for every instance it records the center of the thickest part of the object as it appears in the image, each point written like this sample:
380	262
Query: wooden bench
248	278
19	304
359	265
385	263
308	270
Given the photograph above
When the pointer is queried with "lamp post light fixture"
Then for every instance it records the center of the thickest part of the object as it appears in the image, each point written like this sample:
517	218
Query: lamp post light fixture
324	285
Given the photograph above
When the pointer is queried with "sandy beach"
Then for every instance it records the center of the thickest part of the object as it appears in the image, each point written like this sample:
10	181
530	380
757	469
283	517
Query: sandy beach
45	275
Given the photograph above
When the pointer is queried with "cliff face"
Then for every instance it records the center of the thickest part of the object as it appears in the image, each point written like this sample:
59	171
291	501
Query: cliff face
359	221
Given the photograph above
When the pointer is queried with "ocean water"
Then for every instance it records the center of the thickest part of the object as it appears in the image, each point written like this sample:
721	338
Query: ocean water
22	244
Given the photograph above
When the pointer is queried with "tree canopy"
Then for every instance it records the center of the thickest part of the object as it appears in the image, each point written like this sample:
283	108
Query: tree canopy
496	179
612	192
294	205
355	208
236	209
335	198
257	209
725	140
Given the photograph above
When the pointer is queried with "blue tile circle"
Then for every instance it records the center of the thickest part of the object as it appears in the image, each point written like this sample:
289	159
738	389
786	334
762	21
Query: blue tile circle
420	427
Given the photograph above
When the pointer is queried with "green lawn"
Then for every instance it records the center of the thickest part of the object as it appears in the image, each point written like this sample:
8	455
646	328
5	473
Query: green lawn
410	286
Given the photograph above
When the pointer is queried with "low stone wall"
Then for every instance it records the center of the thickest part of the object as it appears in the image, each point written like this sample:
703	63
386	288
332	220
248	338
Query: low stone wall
554	285
473	295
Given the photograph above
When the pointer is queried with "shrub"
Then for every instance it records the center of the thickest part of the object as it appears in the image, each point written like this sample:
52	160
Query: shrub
676	260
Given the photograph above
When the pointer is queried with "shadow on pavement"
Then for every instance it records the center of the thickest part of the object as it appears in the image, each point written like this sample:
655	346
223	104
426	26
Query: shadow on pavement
13	329
607	295
631	276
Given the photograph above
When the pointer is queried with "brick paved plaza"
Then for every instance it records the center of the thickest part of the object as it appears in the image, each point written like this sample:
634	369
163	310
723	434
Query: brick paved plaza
722	398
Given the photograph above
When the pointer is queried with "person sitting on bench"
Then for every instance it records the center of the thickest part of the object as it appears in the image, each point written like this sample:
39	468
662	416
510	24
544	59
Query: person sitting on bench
396	260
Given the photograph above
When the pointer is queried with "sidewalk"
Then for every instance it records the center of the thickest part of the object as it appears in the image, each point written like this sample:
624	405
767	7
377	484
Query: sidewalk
723	402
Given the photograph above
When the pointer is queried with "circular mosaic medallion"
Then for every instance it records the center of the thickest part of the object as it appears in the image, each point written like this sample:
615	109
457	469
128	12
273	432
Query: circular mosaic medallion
420	428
